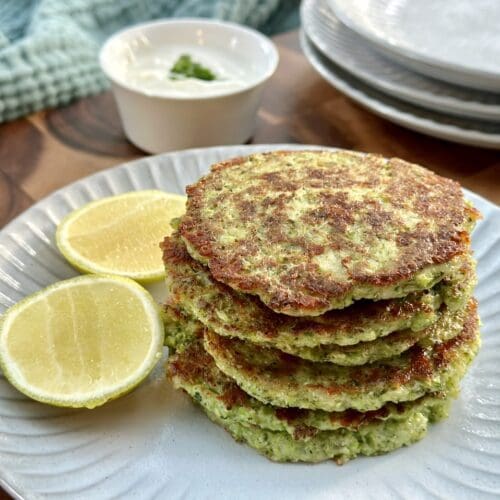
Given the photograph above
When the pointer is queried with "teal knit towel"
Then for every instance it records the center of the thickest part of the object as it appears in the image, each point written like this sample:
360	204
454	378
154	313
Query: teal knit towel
48	48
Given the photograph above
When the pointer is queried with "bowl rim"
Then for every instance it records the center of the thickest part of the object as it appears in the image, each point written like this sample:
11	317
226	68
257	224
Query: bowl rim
199	22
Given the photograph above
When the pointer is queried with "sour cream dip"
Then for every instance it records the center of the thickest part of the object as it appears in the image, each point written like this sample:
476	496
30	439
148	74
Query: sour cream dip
150	72
163	109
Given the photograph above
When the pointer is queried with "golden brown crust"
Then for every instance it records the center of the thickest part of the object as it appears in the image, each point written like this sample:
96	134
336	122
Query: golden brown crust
195	366
417	364
251	312
388	203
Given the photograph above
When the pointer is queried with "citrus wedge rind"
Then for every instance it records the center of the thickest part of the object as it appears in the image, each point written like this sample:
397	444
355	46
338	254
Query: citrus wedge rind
81	342
120	235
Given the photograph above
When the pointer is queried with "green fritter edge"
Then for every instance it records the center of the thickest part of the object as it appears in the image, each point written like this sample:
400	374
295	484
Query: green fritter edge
194	291
283	380
180	329
193	370
340	445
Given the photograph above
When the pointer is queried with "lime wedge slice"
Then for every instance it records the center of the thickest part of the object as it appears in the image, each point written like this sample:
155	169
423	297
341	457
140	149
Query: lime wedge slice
120	235
82	341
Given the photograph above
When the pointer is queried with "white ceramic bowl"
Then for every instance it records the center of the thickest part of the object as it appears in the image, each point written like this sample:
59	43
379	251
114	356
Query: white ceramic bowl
157	122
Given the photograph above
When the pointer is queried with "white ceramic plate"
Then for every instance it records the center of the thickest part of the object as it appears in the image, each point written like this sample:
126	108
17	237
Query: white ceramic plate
154	443
352	52
465	131
457	41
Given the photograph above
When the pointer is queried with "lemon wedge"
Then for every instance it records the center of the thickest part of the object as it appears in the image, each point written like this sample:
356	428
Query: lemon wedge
82	341
120	235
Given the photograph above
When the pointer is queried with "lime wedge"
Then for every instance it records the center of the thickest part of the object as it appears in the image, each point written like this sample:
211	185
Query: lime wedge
82	341
120	235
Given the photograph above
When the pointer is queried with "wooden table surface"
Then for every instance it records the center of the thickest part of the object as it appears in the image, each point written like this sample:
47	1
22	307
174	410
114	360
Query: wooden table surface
52	148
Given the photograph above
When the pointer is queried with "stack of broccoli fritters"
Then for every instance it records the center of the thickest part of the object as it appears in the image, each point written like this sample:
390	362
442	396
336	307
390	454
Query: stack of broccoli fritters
320	303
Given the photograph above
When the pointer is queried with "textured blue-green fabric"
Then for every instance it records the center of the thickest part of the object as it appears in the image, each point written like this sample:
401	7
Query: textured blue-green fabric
48	48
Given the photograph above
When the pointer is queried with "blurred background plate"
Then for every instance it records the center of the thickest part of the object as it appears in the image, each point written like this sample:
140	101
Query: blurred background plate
457	41
154	443
354	54
462	130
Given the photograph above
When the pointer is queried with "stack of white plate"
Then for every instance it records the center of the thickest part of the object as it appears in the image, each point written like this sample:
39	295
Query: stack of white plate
431	66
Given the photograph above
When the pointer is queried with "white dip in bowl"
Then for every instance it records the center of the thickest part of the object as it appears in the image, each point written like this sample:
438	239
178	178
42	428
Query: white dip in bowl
163	110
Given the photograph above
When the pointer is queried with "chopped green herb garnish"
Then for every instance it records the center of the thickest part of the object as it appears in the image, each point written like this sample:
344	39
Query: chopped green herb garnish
190	69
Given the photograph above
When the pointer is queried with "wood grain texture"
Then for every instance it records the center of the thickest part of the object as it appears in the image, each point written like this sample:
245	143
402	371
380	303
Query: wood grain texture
91	126
50	149
13	200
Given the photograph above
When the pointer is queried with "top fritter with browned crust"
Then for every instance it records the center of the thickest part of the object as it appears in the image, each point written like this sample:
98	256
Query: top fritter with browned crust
311	231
